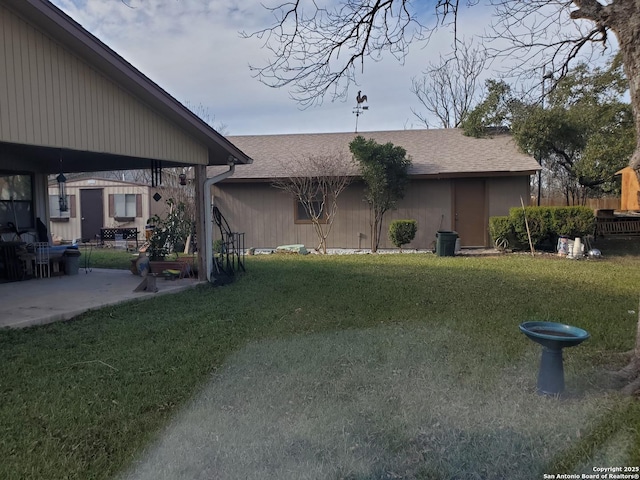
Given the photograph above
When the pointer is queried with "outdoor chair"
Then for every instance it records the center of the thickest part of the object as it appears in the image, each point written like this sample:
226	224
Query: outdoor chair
42	259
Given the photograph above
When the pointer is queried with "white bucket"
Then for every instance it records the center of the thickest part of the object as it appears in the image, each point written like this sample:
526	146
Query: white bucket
576	248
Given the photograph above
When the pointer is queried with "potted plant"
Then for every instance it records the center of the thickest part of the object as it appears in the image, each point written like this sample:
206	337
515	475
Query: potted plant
168	238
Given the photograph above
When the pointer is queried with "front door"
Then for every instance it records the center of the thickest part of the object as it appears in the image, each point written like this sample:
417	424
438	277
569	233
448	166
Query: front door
470	212
91	213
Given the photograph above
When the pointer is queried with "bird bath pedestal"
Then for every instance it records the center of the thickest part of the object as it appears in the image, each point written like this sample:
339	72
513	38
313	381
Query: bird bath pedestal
553	337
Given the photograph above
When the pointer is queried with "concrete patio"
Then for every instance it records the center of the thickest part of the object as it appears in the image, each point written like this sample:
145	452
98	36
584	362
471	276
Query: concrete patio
46	300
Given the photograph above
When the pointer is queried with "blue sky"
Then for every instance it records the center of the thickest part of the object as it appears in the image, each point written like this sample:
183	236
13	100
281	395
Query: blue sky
193	49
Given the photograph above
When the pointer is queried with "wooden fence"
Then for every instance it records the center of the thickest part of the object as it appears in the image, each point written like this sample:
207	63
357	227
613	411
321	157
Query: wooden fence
608	203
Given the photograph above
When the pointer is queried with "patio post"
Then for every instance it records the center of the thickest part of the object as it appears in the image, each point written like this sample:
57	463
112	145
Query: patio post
200	177
207	203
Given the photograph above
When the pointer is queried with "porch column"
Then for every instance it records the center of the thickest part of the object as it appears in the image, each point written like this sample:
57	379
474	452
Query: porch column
201	209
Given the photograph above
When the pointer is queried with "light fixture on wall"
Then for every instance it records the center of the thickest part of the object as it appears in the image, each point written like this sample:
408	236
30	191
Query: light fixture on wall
183	178
62	192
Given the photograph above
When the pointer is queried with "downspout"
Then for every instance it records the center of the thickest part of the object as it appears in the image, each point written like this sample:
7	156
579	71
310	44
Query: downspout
208	231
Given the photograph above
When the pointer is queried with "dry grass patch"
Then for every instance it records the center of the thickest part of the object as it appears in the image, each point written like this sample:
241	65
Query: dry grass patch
381	403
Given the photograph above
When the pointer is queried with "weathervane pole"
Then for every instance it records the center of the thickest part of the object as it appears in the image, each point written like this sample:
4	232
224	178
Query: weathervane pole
357	110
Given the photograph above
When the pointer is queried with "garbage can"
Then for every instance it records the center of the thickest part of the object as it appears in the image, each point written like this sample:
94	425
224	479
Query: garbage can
71	261
446	243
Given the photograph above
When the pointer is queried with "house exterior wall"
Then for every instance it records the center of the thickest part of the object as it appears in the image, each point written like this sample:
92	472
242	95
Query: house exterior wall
71	228
505	193
266	215
156	208
50	97
630	197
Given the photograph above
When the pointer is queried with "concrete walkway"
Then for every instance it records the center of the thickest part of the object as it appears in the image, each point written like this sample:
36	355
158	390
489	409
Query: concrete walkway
47	300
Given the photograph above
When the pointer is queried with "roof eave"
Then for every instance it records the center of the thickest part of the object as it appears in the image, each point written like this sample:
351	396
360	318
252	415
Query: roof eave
422	176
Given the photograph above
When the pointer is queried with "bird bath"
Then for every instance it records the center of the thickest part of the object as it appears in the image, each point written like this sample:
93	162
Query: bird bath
553	337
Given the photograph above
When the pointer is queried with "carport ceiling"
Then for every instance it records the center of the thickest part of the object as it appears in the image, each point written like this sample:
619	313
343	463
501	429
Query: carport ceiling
31	158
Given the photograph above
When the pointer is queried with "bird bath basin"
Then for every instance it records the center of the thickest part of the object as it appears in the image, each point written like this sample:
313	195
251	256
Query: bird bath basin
553	337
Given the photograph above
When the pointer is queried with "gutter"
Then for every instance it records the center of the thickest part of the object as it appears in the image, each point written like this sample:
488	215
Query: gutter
208	231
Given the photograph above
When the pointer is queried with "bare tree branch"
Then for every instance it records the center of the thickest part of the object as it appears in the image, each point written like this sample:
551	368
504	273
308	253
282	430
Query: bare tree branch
534	34
448	90
318	52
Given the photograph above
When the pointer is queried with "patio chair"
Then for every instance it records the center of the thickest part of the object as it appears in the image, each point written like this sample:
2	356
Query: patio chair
42	261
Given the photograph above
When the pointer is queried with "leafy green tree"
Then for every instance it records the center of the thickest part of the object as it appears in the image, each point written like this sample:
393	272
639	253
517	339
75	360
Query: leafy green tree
583	136
493	112
586	132
384	169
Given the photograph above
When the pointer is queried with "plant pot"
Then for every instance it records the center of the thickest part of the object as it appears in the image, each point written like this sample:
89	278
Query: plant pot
133	267
159	266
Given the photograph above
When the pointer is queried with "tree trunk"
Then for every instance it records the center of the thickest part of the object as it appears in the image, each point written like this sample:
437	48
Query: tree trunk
624	20
631	373
374	235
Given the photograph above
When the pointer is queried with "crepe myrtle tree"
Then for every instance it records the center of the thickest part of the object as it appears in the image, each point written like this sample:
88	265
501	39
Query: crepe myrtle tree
316	182
318	47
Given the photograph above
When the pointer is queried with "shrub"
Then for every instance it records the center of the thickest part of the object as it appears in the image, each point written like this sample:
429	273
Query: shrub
540	224
501	231
402	232
546	224
573	221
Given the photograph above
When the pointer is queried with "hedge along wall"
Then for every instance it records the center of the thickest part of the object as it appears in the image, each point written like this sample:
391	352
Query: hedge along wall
546	224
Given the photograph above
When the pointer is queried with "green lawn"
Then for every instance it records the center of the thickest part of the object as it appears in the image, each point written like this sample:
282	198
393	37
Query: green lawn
358	367
115	258
110	258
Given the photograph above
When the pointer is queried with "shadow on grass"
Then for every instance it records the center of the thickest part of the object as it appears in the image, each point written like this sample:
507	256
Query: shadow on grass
380	403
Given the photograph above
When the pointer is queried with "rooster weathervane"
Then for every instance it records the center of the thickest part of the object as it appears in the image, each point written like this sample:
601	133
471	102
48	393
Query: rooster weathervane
359	108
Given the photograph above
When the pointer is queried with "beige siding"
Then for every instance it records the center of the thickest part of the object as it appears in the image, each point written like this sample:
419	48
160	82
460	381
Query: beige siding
50	97
72	229
429	202
266	215
505	192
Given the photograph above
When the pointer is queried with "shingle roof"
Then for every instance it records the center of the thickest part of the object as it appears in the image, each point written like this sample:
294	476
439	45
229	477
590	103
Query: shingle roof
445	152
